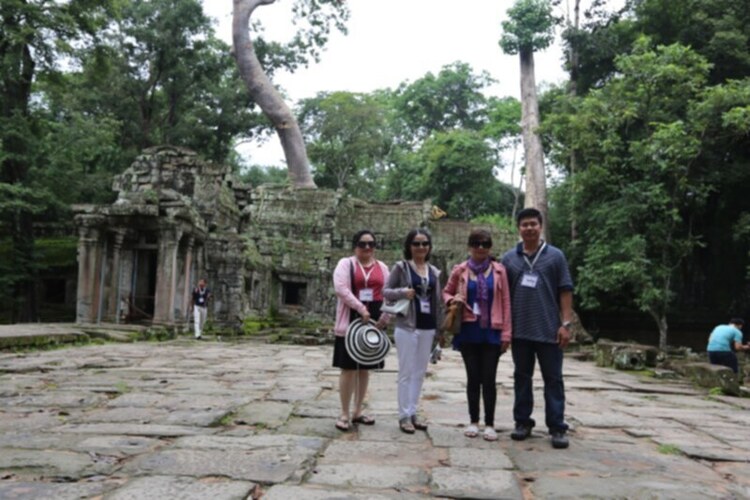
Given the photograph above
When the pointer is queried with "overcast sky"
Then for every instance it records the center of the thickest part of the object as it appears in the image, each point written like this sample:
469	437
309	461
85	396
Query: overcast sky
391	41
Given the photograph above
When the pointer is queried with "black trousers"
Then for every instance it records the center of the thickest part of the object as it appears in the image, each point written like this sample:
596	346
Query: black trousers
481	361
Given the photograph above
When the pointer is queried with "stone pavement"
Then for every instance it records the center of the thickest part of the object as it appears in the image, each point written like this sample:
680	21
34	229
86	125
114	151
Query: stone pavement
195	420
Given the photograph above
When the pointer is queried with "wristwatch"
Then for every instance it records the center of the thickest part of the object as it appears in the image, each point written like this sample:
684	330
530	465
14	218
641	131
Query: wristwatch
567	324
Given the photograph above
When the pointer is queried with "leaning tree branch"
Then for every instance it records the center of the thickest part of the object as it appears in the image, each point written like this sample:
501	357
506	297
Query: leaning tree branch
263	92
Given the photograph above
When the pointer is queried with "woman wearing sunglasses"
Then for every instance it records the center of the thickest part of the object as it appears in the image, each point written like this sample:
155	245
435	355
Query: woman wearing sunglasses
358	282
480	288
417	280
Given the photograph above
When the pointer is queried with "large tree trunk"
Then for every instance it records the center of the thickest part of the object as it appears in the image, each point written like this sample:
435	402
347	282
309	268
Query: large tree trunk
267	97
573	55
536	185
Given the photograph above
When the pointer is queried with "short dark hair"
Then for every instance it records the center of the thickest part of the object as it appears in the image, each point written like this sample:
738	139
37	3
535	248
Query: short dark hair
737	321
410	237
528	213
359	234
479	235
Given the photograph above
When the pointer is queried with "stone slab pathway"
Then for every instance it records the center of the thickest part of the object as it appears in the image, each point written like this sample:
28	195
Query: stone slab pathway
196	420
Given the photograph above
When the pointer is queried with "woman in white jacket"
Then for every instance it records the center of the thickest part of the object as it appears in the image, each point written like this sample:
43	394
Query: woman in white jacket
417	280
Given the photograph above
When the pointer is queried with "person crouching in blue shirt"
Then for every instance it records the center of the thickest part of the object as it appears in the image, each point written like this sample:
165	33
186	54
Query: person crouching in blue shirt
723	341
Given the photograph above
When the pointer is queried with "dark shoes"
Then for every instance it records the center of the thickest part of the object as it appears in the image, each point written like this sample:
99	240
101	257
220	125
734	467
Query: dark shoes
418	423
521	432
406	426
559	440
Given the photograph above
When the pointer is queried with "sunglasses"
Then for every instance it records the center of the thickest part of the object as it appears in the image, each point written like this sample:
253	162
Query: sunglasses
480	244
365	244
424	244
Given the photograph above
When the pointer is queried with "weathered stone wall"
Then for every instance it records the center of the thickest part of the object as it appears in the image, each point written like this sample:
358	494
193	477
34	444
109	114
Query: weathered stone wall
263	249
296	237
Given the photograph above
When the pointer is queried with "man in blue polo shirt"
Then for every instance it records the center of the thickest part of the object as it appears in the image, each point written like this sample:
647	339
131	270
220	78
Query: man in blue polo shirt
541	299
722	341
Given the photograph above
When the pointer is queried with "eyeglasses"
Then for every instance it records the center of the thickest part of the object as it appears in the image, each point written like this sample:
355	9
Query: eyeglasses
365	244
480	244
423	244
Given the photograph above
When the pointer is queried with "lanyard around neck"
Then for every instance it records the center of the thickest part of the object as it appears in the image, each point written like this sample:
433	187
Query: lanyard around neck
538	253
366	274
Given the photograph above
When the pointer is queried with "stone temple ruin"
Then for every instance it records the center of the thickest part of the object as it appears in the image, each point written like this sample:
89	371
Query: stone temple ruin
268	248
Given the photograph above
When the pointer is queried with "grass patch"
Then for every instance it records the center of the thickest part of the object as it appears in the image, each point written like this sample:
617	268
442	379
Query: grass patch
226	420
122	387
669	449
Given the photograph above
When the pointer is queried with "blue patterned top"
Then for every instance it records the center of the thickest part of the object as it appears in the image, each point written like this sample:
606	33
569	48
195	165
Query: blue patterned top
471	332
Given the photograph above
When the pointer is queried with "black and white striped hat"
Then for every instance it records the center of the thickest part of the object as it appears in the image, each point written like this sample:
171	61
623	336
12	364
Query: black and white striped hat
366	344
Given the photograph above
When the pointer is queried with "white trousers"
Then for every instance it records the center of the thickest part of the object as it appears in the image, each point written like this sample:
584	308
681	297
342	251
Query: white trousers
199	316
414	348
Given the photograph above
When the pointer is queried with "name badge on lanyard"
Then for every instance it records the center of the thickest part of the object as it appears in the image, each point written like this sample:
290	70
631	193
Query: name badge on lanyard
530	279
476	310
366	294
424	305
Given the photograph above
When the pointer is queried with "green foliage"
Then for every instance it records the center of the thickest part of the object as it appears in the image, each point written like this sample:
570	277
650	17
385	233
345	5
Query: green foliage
256	175
253	325
451	100
640	178
347	141
459	175
60	252
502	222
530	27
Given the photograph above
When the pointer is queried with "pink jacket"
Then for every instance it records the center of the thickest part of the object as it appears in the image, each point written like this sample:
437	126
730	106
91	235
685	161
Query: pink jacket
500	308
342	285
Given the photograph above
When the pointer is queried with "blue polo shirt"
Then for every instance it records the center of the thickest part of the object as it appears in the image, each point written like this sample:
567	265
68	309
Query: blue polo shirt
536	310
723	337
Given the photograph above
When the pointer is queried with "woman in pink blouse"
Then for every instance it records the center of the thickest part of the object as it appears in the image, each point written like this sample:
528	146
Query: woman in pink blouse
358	281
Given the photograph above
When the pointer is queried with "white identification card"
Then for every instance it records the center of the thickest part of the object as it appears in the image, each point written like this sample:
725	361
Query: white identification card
424	305
366	295
476	310
529	280
200	300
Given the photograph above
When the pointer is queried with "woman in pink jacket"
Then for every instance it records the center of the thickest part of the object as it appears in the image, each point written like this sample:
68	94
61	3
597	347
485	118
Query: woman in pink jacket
480	287
358	282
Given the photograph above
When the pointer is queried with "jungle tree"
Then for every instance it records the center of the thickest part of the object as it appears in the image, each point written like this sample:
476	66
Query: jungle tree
35	35
321	15
528	29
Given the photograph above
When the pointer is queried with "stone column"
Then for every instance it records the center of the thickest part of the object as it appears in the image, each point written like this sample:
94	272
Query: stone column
114	283
166	275
188	278
88	277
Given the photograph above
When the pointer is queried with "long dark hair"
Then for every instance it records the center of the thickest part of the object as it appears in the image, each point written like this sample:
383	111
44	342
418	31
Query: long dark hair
410	237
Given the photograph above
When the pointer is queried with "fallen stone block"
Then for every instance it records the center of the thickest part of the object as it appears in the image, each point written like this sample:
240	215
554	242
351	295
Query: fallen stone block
625	356
710	376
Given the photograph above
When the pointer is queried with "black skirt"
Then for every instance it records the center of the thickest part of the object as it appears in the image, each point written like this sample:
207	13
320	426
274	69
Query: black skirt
341	358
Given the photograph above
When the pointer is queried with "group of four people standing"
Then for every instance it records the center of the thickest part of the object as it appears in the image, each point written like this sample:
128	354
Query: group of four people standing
523	302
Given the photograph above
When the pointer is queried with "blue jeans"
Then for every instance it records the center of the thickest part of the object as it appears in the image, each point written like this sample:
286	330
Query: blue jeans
550	358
